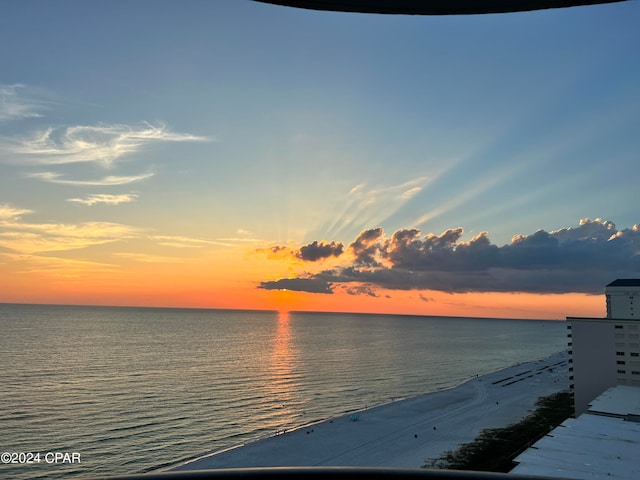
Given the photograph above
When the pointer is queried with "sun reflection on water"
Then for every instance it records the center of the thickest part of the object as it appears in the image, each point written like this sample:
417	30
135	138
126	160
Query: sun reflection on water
283	376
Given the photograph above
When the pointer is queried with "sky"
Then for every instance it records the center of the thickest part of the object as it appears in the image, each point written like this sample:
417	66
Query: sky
235	154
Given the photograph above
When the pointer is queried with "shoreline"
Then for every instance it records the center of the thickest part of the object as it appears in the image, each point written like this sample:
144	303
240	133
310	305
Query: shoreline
404	433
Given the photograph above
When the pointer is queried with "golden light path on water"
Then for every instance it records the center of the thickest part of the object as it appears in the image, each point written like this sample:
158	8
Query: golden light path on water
283	379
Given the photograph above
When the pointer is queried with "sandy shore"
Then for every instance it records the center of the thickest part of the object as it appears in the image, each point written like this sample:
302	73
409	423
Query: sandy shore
406	433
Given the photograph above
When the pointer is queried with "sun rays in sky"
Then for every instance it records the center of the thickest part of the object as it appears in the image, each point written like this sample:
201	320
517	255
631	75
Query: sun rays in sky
276	158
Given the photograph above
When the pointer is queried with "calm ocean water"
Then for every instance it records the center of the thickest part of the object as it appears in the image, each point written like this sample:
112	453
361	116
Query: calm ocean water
133	390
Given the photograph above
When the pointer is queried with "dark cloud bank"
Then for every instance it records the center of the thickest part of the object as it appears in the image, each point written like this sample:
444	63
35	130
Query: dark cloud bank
581	259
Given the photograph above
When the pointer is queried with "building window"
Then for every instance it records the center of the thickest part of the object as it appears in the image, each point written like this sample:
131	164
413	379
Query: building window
622	371
620	362
619	326
620	354
634	354
635	372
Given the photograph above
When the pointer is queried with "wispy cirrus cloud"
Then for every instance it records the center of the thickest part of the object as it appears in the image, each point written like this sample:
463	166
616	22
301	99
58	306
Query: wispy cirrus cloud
57	266
178	241
240	240
59	237
19	236
98	198
8	212
147	258
104	144
109	180
17	102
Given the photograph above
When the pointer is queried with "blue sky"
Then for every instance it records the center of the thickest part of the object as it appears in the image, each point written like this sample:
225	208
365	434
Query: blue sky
200	126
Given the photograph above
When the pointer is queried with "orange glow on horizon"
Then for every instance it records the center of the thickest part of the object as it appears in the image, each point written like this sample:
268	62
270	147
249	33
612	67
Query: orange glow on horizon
204	293
231	279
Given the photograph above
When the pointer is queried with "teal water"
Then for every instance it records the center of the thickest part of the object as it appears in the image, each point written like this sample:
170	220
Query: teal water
132	390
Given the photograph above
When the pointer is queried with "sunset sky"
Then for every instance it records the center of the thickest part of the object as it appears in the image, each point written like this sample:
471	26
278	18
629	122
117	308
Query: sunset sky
234	154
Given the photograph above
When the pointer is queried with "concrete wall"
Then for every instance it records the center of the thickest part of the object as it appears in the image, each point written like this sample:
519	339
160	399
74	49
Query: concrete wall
594	359
623	302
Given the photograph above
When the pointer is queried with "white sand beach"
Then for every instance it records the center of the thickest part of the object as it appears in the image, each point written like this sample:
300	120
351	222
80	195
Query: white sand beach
405	433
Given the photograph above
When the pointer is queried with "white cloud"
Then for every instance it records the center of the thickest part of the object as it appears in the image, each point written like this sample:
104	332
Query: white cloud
97	198
104	144
31	238
106	181
411	192
10	213
16	103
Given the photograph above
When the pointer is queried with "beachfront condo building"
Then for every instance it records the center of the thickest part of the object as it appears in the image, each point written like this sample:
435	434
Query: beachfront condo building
605	352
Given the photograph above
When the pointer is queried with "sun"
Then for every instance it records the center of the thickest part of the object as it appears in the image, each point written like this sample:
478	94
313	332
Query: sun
286	300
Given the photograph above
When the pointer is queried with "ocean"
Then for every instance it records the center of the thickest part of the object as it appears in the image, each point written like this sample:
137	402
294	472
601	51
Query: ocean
132	390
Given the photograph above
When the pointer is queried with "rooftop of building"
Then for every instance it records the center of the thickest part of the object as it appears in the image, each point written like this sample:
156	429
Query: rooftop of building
602	443
603	319
625	282
620	401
